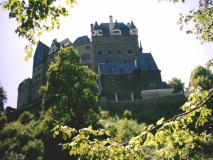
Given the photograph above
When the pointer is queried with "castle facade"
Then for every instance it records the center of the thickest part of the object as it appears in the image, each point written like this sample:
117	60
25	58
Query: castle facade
113	52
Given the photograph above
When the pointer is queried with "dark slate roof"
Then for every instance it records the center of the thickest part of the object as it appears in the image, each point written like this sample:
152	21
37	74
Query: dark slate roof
39	45
132	26
105	28
147	62
165	85
81	40
96	27
116	68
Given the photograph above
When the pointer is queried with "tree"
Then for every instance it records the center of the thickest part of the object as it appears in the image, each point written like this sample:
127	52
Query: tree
176	84
202	77
3	99
71	90
199	20
35	17
170	139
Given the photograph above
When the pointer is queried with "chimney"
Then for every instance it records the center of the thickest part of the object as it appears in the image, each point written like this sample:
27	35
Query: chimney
91	26
111	25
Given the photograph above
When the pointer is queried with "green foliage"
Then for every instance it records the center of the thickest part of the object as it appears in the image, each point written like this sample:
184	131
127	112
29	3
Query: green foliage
26	117
13	156
127	114
35	17
176	84
199	20
3	99
121	129
3	121
171	139
71	90
201	77
33	149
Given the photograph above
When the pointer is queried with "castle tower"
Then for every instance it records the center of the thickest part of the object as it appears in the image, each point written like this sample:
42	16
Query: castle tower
133	30
96	31
116	29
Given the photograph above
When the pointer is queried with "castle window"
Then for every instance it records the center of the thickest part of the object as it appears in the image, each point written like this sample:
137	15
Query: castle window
38	69
121	70
110	71
63	45
37	76
109	52
129	51
85	56
108	61
152	84
147	59
149	66
110	79
129	78
118	51
109	39
87	47
99	52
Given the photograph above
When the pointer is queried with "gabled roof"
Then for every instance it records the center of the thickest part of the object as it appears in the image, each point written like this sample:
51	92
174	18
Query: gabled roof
147	62
132	26
81	40
54	46
40	45
65	42
116	68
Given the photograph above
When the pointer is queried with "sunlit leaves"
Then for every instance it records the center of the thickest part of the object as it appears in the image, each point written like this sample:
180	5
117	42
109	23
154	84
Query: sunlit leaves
35	17
171	139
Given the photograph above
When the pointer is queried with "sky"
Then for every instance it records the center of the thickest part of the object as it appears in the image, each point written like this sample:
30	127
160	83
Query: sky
175	53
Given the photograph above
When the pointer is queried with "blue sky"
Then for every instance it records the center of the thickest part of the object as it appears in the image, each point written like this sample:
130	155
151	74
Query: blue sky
175	53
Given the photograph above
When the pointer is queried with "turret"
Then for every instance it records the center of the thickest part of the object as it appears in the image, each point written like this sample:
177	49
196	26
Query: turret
116	29
133	30
96	31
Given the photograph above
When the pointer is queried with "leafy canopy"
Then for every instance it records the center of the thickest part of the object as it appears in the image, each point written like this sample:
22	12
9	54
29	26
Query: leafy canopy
176	84
3	99
201	76
35	17
199	20
71	90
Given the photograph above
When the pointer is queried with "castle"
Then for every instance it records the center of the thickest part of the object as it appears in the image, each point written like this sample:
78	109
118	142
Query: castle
113	53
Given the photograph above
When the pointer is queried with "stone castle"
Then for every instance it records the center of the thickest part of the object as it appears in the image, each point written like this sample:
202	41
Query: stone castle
113	52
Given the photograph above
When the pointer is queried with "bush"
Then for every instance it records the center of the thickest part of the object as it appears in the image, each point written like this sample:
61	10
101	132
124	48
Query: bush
26	117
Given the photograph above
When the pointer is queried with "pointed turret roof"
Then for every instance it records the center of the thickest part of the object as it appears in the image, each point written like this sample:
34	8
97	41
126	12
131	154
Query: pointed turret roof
132	26
140	47
116	25
96	27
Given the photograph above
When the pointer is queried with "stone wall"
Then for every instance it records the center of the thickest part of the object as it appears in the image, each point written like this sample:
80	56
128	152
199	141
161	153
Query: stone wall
174	100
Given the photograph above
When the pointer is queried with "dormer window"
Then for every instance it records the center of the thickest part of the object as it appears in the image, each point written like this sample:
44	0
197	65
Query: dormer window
133	32
118	51
97	33
116	32
99	52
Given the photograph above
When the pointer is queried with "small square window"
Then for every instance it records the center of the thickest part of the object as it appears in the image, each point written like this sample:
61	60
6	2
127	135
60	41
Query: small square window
110	79
99	52
118	51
